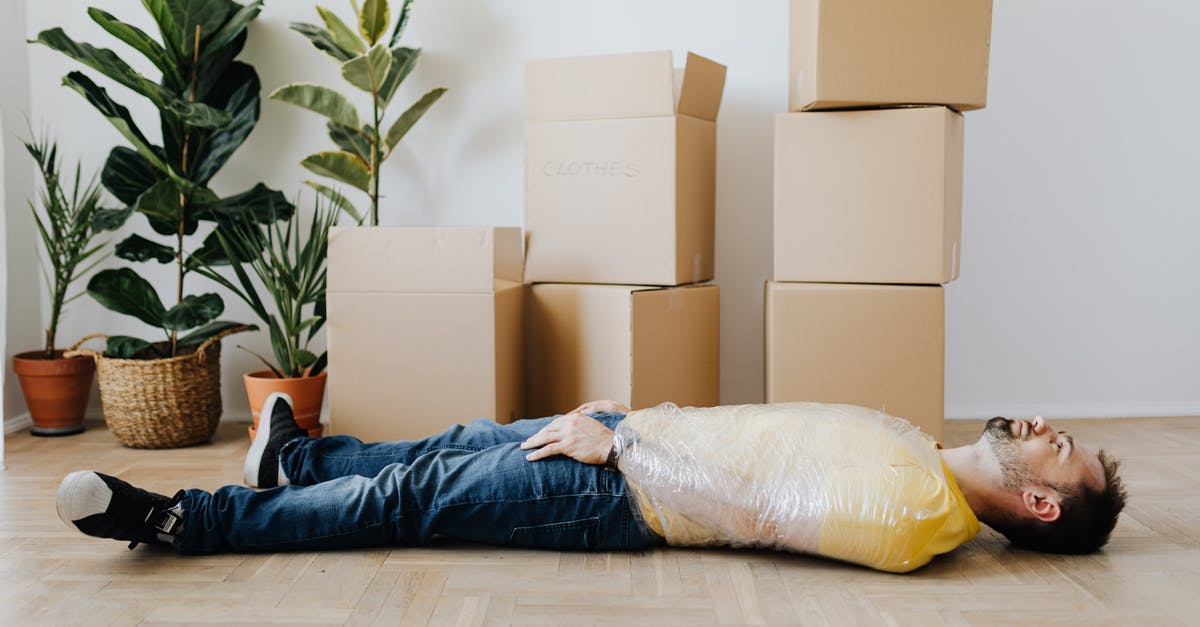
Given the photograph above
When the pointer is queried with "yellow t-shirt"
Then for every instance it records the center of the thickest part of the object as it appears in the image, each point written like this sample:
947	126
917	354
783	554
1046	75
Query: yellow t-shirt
841	481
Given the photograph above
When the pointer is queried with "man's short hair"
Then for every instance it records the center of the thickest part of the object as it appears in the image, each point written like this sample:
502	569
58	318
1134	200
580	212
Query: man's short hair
1087	518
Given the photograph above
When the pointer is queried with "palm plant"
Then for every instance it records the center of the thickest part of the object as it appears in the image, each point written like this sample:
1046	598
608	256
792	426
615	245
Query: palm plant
375	66
66	230
291	269
207	105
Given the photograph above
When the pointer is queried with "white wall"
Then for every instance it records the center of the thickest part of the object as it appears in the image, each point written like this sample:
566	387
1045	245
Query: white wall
1077	293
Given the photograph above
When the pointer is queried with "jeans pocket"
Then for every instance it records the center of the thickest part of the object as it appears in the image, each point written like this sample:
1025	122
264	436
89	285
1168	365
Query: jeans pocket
575	534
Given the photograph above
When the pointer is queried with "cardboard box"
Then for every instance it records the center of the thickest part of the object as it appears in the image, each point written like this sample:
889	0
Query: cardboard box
640	346
879	346
862	53
620	169
424	329
868	196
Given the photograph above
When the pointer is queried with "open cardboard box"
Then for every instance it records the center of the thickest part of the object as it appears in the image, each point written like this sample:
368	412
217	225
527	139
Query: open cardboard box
424	329
863	53
879	346
870	196
637	345
620	169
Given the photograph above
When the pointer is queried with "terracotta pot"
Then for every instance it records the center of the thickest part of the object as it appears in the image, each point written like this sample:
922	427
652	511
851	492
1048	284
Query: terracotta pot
56	390
306	392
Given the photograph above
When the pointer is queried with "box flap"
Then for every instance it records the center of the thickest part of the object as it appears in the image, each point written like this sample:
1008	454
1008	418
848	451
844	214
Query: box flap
640	84
423	259
703	84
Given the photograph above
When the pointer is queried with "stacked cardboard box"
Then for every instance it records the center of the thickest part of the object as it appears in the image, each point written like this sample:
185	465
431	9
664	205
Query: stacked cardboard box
868	200
620	170
424	329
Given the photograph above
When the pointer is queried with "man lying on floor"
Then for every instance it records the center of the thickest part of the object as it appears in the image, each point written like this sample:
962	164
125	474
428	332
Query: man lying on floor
840	481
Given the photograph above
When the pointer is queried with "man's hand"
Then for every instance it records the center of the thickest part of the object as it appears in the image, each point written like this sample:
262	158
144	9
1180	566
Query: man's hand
575	435
601	407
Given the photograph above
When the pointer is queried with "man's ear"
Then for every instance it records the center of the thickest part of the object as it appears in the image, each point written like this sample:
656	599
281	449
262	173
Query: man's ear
1042	504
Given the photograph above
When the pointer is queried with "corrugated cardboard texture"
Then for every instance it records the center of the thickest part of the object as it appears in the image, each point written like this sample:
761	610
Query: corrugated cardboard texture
868	196
639	84
577	346
879	346
405	366
676	347
606	166
639	346
852	53
423	259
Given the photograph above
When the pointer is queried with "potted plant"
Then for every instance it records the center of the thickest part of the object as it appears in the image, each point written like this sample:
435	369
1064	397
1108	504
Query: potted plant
374	65
57	388
289	262
167	393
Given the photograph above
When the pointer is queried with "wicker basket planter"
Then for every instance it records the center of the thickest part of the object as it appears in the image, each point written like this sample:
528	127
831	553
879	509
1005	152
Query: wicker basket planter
161	403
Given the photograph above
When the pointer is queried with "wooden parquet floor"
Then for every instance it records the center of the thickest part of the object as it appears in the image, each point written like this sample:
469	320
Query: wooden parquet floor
49	574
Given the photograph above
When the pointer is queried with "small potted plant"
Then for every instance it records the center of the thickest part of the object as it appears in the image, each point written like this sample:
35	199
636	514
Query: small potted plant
374	65
288	260
57	388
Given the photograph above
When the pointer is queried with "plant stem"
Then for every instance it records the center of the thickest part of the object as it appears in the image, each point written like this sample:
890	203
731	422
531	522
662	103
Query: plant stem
376	155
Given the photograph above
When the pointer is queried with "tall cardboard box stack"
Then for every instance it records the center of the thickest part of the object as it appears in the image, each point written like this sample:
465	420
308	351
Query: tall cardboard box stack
424	329
868	200
620	170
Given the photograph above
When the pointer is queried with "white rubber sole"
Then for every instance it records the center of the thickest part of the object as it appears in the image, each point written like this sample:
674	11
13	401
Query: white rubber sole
82	494
261	437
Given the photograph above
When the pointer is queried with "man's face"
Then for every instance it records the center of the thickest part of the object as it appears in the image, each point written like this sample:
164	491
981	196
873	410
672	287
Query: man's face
1032	453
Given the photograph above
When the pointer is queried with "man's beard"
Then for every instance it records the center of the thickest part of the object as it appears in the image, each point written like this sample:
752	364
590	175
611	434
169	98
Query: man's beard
1007	449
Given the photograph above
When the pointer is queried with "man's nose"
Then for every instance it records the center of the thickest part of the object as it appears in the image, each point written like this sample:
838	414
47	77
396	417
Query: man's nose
1040	425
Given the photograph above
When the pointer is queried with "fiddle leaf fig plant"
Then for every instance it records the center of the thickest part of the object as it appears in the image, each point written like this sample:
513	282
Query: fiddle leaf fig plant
372	64
207	104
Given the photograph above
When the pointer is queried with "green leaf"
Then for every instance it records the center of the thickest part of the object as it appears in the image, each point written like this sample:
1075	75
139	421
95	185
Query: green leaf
198	114
351	139
405	11
189	15
123	291
117	115
193	311
373	20
268	364
367	71
105	219
319	365
410	117
259	203
232	27
125	347
338	201
236	94
160	205
342	166
166	26
318	99
127	174
322	40
403	62
140	41
343	35
138	248
197	336
304	358
102	60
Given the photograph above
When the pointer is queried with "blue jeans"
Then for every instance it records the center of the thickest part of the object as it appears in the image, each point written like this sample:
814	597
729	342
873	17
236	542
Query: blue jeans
469	483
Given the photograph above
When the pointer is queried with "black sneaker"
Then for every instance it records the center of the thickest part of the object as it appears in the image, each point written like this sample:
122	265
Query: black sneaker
106	507
276	427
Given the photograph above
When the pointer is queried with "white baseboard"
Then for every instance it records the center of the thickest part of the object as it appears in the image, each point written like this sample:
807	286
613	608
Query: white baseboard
20	422
1146	409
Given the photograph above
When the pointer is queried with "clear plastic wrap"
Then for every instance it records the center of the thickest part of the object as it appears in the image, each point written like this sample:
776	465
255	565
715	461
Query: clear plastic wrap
841	481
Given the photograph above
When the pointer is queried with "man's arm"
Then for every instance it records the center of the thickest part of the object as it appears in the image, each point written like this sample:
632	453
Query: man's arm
601	407
575	435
